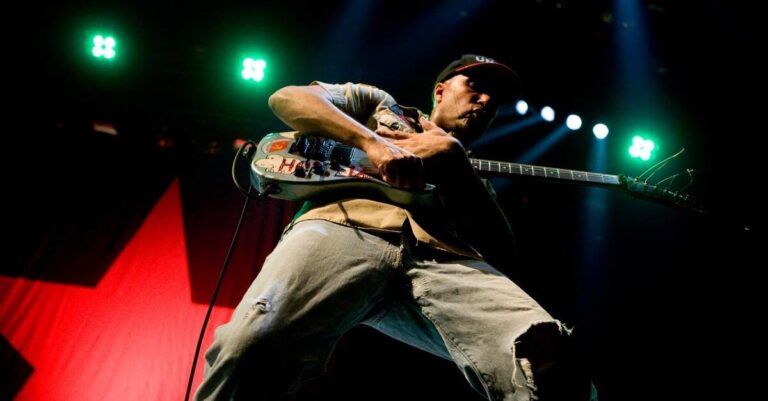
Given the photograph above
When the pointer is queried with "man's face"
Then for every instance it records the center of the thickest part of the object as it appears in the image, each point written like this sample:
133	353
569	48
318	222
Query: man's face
465	105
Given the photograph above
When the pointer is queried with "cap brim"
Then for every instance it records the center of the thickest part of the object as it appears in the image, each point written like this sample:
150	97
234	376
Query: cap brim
506	77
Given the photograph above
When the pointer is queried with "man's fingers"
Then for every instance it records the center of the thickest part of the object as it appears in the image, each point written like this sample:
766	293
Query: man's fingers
405	172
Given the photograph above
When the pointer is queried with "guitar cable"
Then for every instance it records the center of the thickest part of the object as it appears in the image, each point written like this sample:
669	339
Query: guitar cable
245	151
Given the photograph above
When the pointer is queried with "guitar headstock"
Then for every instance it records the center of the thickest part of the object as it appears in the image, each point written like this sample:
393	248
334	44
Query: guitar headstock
660	193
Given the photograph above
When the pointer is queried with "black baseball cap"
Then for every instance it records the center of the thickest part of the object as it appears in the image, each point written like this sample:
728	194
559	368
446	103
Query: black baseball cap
500	74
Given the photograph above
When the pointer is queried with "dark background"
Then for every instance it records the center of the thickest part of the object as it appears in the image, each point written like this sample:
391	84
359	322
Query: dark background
665	301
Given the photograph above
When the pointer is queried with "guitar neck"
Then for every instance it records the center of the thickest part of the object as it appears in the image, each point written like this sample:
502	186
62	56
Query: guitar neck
325	149
280	156
506	168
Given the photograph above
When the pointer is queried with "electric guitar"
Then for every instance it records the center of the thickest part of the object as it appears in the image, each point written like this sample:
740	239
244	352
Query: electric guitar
294	166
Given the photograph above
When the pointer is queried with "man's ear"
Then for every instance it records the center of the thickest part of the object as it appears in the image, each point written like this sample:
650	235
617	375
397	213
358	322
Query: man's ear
438	92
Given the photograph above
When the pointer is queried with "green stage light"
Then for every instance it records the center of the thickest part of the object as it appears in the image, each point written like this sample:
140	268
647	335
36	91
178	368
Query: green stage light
104	47
641	148
253	69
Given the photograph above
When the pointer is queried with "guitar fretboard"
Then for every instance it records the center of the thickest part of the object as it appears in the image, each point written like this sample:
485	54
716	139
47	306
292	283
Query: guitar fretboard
498	167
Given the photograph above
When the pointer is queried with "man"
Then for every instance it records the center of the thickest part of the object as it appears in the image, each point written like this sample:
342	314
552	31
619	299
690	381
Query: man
421	274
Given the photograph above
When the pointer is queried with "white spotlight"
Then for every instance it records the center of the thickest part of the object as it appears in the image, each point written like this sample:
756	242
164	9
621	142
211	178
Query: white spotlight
521	107
548	113
573	122
600	131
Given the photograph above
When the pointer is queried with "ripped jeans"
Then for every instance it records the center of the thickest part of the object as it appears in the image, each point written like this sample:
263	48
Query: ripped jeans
322	279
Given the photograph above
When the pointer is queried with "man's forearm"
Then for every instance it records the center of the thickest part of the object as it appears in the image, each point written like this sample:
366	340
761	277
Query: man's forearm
308	109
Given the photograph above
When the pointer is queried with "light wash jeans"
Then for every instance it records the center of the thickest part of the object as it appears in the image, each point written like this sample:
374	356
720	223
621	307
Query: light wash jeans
322	279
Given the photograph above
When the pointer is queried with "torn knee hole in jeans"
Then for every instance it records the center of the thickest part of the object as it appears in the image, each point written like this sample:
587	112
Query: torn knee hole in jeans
525	366
522	375
541	335
541	343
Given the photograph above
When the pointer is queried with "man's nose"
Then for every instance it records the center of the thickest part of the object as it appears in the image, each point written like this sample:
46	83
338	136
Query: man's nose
487	101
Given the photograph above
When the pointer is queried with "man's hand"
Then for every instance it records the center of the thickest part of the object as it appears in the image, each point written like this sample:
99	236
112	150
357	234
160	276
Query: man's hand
398	166
438	149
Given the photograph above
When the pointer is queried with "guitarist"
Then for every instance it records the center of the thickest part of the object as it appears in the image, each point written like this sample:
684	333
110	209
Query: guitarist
426	276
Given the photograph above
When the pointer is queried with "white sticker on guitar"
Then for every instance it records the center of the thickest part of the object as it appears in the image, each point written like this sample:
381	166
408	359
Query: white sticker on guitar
278	164
287	165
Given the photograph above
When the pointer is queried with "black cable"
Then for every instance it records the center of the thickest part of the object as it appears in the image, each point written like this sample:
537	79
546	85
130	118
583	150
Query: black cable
226	262
213	298
245	149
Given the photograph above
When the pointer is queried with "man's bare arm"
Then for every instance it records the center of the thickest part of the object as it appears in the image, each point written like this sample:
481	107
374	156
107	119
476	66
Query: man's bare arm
309	109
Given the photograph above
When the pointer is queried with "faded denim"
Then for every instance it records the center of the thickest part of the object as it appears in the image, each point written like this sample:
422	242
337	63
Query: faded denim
323	279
